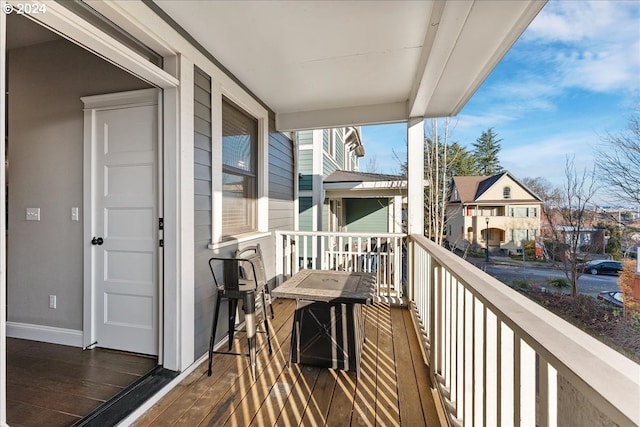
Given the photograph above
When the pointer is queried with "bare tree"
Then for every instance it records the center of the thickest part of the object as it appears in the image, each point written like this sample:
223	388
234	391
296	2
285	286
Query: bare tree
577	193
372	165
619	162
551	197
437	176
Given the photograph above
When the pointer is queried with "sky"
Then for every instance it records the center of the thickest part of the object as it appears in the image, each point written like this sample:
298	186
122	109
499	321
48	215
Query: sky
572	78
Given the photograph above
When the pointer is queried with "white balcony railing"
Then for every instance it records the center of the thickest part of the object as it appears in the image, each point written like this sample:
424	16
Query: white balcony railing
381	254
498	358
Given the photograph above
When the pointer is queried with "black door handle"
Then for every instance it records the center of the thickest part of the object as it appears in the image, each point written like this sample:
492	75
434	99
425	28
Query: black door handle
97	241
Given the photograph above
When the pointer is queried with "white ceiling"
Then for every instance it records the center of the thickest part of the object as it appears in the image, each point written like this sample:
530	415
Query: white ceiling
330	63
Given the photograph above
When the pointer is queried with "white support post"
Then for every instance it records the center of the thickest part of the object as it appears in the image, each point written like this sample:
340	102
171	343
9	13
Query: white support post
397	215
279	256
415	178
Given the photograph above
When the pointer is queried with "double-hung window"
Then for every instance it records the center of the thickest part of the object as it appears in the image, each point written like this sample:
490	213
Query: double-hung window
239	171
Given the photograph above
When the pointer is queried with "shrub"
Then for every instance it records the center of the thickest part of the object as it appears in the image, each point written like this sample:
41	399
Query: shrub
625	282
558	283
520	284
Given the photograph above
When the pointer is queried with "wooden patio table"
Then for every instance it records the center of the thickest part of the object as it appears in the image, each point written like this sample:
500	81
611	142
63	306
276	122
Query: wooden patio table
328	325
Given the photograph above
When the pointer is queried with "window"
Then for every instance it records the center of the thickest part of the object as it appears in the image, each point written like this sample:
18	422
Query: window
239	170
506	192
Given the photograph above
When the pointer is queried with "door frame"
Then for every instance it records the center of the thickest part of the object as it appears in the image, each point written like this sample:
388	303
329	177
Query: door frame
93	105
3	226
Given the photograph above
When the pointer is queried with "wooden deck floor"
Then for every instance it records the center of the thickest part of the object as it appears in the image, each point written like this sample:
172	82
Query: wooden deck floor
54	385
393	389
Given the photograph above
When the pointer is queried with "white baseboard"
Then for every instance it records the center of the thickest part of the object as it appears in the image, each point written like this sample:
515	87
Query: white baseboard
42	333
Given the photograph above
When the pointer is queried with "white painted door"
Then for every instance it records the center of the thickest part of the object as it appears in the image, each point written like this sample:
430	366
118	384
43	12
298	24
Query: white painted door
125	217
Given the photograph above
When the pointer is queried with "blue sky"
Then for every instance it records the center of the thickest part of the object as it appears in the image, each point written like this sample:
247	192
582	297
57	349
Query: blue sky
571	78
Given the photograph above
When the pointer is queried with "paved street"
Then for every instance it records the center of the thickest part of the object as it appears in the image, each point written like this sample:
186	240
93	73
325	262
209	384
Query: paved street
588	284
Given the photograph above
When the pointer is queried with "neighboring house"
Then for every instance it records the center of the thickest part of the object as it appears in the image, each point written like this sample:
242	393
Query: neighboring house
334	196
496	211
592	240
144	137
365	202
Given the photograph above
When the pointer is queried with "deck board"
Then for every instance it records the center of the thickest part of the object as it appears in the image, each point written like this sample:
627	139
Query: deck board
364	404
387	407
421	371
392	388
407	384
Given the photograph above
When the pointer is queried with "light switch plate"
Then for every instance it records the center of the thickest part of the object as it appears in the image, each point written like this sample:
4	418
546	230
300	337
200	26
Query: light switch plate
74	214
33	214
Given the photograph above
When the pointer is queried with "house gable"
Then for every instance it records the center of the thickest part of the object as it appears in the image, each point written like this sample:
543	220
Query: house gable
492	189
495	189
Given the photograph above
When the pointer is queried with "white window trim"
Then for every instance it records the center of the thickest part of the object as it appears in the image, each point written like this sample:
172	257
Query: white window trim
255	110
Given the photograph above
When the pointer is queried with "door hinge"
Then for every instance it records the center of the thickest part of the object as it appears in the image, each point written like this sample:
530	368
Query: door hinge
161	242
160	223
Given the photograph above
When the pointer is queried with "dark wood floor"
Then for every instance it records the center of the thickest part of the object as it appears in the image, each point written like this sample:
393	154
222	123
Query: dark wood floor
54	385
393	388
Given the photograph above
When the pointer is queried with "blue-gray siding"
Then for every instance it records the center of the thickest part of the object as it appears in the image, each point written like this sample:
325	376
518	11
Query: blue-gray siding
281	210
204	297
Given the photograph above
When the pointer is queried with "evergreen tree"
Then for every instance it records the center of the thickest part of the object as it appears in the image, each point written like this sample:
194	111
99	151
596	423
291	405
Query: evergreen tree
486	149
462	162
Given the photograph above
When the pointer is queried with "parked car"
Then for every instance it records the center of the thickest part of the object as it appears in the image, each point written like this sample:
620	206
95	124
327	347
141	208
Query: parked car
603	267
613	297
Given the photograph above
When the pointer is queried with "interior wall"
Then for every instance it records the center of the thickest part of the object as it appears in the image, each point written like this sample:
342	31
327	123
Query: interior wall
45	153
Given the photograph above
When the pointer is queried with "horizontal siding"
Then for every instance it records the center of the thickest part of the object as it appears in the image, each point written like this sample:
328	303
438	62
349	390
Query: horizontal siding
305	161
340	147
306	214
204	293
328	166
281	180
366	215
305	137
326	134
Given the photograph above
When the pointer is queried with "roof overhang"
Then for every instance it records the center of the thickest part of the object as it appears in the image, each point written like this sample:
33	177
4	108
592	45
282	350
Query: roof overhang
370	189
320	64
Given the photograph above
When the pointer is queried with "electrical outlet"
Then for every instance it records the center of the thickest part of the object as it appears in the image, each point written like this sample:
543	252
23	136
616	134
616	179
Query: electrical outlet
52	301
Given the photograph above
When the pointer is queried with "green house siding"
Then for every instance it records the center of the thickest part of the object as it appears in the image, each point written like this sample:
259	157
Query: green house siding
305	168
340	148
366	215
328	166
306	214
305	182
305	161
305	137
325	139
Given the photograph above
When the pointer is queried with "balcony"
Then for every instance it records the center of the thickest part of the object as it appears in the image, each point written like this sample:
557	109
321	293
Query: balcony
488	354
393	388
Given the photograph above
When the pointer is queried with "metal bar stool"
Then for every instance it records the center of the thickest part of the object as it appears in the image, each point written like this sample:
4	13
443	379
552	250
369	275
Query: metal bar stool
234	287
258	274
